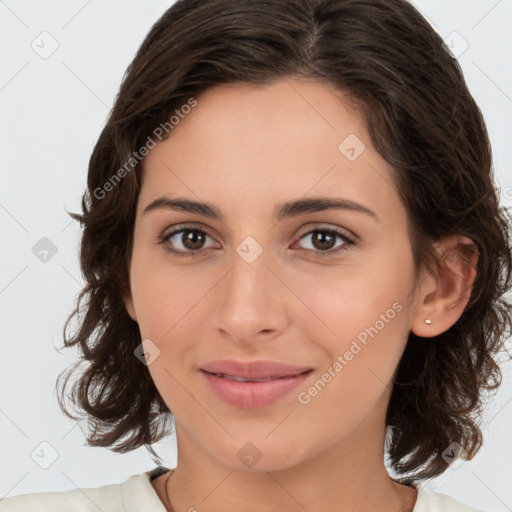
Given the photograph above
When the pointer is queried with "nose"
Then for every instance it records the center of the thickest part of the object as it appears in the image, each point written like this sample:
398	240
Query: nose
252	301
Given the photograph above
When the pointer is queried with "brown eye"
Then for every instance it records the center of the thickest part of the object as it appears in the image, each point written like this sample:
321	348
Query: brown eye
192	239
189	241
323	241
184	241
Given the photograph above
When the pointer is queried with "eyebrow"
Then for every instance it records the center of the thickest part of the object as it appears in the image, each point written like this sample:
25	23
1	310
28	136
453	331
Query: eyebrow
281	210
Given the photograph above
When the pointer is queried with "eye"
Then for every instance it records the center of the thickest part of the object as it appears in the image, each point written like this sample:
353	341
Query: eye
192	240
325	239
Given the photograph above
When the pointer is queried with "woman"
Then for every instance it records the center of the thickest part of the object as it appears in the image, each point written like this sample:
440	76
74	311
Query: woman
292	243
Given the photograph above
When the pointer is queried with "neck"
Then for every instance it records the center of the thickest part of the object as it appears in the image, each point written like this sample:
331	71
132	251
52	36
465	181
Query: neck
349	477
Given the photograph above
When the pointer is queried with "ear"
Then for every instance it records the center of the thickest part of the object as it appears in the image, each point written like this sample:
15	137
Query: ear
443	297
127	291
128	302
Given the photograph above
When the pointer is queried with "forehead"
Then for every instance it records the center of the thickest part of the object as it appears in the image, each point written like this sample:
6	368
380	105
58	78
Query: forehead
250	145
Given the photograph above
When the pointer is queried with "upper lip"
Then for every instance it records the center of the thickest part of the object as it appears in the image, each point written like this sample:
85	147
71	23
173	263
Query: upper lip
254	369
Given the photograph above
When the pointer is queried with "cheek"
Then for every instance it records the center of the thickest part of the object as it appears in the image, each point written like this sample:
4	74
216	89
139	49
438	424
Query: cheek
362	314
152	307
343	304
163	293
360	361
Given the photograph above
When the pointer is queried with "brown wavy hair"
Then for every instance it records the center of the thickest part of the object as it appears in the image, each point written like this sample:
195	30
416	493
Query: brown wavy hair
394	69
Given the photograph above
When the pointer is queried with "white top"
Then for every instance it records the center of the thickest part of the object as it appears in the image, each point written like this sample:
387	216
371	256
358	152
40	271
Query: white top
136	494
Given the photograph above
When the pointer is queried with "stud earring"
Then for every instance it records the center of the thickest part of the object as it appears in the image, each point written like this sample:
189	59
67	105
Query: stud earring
428	321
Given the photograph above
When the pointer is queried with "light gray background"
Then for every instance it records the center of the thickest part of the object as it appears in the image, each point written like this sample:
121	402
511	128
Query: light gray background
53	110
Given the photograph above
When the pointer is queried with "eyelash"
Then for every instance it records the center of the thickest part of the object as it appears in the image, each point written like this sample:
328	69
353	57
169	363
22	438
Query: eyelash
163	239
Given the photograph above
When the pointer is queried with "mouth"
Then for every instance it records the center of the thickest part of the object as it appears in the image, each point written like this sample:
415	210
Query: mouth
253	370
265	385
244	379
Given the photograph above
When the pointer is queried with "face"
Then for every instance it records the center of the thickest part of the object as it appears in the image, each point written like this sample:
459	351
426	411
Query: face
327	291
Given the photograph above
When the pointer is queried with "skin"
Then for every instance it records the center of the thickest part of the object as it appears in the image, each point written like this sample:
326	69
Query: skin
246	148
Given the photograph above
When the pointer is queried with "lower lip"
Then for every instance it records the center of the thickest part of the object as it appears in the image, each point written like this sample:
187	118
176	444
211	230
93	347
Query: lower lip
253	395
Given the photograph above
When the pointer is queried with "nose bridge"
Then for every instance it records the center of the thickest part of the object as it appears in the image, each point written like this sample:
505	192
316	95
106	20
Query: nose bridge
249	299
248	281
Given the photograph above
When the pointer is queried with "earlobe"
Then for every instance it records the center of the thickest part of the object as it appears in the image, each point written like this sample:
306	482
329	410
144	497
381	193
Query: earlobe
442	298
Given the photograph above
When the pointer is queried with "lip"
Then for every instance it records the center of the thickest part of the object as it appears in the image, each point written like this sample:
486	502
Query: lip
254	369
282	379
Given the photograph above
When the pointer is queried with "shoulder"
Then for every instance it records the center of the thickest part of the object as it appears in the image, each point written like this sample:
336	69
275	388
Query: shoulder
431	501
107	497
136	490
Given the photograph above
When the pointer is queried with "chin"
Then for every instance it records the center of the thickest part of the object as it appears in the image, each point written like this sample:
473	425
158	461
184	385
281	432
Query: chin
260	455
